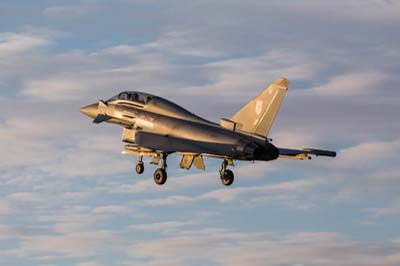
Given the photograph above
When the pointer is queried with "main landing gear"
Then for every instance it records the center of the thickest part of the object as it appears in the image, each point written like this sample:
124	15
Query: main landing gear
226	175
160	175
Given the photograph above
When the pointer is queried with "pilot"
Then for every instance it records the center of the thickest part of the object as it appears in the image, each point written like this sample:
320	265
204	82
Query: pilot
135	97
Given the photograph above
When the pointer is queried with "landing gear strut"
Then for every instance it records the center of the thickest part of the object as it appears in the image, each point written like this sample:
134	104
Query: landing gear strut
140	166
226	175
160	175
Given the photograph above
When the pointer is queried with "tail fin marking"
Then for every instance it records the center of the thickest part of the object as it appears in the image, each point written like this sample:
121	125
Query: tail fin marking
259	114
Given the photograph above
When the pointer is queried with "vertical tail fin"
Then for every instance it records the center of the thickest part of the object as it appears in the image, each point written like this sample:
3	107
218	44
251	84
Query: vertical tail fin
258	115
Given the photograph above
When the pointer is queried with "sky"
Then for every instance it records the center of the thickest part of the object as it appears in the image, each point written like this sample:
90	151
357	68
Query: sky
69	197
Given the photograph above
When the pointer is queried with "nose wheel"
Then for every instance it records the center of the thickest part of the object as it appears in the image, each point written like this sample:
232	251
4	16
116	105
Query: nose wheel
226	175
140	166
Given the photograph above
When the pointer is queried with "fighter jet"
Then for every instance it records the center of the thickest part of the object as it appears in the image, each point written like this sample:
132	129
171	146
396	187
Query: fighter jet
156	127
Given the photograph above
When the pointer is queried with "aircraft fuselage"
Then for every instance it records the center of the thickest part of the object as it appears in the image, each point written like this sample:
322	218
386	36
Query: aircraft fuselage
182	124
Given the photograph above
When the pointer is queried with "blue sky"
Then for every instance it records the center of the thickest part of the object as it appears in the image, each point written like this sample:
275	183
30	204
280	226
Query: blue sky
68	196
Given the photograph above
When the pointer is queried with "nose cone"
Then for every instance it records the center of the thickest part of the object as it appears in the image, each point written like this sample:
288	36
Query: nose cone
90	110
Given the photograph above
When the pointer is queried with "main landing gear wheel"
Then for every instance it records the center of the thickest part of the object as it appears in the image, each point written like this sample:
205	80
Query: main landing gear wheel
227	178
139	168
160	176
226	174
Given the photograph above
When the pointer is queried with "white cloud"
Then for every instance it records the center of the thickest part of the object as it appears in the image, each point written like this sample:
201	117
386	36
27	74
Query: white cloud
24	140
53	89
8	232
382	212
6	208
185	44
180	43
81	244
83	8
24	197
350	85
304	248
92	76
163	226
228	195
70	227
88	263
367	168
369	10
13	44
367	154
111	209
66	216
248	76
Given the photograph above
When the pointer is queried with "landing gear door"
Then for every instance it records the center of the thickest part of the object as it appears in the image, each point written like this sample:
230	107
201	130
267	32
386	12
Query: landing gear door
187	161
199	162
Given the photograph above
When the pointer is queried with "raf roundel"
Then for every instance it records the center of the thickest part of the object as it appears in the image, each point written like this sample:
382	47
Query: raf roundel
259	106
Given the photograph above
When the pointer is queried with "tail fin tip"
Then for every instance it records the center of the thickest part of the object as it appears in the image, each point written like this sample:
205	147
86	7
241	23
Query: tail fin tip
282	82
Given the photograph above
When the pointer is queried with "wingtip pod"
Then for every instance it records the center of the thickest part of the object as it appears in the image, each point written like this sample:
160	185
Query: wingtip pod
304	153
282	82
318	152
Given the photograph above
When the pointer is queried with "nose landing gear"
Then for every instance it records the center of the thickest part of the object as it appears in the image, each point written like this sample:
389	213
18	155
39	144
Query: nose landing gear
140	166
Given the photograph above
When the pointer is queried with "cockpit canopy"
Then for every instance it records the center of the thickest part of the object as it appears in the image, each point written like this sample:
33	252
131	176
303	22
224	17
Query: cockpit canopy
137	97
155	104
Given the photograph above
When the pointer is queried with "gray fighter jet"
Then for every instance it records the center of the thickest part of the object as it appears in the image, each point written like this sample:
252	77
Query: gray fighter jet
156	127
